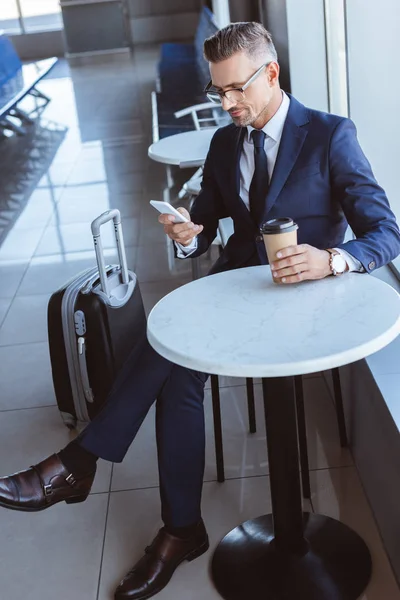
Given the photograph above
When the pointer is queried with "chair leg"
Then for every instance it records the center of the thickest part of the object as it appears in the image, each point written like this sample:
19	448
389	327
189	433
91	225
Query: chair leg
169	176
250	405
219	450
302	433
195	268
339	408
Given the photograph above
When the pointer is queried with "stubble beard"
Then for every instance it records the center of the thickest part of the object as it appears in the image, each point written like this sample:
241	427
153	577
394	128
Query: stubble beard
249	118
262	115
243	120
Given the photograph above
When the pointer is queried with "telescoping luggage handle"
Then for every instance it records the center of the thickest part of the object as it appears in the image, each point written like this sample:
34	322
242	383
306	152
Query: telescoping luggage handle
109	215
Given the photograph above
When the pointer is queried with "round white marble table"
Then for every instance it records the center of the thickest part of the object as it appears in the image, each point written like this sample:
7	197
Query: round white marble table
240	323
190	146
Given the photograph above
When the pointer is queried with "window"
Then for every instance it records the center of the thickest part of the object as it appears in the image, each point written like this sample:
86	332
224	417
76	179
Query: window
29	16
344	58
9	17
335	33
373	66
41	15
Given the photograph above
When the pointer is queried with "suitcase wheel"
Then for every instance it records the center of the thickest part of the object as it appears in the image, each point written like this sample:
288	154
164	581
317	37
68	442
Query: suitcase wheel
69	420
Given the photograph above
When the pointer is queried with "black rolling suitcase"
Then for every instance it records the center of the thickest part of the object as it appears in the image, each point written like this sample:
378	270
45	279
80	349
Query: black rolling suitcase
95	322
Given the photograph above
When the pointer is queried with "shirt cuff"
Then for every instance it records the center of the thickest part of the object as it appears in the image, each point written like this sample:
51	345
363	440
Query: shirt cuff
185	251
352	263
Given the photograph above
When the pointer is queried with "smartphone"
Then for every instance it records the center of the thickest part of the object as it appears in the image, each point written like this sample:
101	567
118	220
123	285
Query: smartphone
166	209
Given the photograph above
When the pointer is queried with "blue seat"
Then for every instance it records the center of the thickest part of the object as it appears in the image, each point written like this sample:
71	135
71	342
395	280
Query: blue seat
10	62
17	80
174	52
182	75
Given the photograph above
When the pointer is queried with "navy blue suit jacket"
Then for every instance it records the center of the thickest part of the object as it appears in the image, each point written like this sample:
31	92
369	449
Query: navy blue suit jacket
321	179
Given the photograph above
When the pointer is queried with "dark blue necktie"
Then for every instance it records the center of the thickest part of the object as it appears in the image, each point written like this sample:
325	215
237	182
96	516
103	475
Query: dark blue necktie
260	183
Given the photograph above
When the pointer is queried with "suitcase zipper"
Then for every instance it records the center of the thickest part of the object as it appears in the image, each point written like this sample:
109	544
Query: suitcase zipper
77	366
80	330
87	390
71	346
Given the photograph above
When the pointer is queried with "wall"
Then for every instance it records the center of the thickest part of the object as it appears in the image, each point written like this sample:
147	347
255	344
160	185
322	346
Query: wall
307	52
374	63
161	21
243	10
92	27
375	444
32	46
274	19
220	8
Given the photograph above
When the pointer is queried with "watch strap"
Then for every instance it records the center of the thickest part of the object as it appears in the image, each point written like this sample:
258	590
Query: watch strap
332	253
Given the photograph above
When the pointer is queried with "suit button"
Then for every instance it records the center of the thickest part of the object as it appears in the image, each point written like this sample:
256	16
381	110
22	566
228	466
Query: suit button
259	238
371	265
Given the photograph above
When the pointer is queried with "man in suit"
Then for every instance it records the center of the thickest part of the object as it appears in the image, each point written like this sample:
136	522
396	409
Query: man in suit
277	159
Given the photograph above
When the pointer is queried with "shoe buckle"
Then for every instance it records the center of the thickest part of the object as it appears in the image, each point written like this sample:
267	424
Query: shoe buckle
71	480
48	490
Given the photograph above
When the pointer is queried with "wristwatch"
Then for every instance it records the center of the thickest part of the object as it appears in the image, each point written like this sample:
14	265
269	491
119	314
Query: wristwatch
337	263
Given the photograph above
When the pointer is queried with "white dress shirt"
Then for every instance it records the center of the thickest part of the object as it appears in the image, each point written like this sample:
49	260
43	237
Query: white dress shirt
273	130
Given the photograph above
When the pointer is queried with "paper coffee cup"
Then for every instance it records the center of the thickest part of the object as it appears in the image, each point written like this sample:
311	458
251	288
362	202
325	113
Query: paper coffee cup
278	234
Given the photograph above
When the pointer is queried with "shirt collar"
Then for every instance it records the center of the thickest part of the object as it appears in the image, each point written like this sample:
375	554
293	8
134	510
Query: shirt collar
274	127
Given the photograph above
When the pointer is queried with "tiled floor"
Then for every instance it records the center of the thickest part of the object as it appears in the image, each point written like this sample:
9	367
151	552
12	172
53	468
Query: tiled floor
93	140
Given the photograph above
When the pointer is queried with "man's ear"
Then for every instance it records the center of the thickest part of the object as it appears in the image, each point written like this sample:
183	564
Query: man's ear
273	73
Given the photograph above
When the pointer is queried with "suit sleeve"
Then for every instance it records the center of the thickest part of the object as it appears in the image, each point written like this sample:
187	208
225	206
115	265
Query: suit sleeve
208	207
363	201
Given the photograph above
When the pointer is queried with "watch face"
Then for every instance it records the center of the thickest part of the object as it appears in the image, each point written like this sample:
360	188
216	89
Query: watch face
338	263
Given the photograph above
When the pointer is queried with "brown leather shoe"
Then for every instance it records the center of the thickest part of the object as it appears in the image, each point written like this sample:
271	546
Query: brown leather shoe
154	570
43	485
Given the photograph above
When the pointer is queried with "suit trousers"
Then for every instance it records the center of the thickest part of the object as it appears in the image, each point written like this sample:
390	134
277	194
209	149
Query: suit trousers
180	431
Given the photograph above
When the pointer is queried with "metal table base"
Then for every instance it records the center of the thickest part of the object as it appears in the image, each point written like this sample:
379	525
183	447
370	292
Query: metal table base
289	555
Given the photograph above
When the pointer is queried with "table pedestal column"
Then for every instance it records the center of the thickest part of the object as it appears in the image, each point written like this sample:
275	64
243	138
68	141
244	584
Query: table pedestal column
289	555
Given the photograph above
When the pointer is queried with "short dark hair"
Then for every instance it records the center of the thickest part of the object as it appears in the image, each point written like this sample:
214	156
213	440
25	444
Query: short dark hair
249	37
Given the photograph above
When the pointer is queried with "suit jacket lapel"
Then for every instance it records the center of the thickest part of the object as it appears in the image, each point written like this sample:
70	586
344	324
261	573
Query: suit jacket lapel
292	140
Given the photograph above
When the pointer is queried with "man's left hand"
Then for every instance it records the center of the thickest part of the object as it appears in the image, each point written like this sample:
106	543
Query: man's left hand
300	263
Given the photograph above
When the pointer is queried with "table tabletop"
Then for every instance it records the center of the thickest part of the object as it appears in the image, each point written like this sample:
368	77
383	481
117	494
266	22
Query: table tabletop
240	323
188	146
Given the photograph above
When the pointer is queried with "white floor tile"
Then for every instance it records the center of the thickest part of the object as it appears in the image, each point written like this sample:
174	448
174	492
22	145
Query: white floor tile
37	212
53	554
80	205
30	436
5	304
100	170
46	274
26	321
25	376
77	237
159	263
21	244
11	274
152	292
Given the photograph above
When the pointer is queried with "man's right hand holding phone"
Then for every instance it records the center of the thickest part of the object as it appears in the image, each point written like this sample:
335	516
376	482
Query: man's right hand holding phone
183	233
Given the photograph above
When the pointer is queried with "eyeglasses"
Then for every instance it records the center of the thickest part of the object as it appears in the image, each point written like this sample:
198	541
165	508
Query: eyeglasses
234	95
